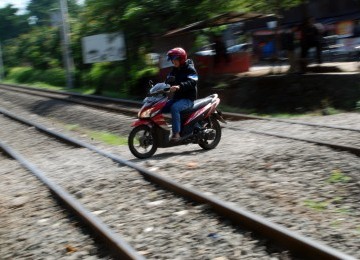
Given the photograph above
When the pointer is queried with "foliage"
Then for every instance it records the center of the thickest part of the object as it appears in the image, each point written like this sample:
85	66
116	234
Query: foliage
44	9
141	21
39	48
140	79
20	74
53	76
272	6
11	25
147	72
358	106
41	9
106	75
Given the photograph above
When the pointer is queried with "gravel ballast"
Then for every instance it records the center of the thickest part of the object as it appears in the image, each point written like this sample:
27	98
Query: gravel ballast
310	189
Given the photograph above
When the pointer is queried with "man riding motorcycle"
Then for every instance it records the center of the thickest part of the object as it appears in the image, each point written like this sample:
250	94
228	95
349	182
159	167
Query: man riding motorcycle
198	122
184	88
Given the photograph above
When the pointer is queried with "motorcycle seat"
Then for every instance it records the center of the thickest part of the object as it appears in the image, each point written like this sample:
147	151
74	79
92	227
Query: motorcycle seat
199	103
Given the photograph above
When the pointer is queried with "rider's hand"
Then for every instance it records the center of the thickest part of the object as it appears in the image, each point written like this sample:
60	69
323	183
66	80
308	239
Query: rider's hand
174	88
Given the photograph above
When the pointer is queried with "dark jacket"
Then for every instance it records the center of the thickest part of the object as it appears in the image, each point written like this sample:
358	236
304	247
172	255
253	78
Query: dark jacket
186	77
310	35
288	41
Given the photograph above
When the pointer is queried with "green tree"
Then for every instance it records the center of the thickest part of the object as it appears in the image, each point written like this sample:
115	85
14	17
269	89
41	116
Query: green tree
12	25
272	6
39	49
42	9
142	20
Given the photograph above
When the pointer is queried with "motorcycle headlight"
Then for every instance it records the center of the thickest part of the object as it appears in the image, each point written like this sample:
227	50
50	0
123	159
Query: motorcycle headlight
146	113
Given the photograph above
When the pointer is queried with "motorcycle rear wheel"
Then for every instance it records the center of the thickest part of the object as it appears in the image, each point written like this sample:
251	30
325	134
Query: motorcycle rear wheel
141	142
211	144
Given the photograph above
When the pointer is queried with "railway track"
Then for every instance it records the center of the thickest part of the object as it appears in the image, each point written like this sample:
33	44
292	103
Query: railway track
33	225
116	246
297	244
347	139
243	155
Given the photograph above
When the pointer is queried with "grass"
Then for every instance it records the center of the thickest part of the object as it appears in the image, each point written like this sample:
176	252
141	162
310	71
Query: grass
336	223
72	127
102	136
358	106
108	138
337	176
324	205
317	205
343	211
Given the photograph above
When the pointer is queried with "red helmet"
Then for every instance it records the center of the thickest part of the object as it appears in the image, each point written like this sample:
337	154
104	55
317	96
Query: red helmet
177	54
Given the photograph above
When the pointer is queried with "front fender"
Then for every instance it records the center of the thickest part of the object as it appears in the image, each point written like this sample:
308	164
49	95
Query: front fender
140	122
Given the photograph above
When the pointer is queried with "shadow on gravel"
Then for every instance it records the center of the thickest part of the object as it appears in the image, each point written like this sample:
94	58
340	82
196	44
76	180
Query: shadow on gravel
47	107
166	155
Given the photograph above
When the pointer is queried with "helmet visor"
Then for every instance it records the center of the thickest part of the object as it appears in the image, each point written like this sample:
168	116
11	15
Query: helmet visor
172	57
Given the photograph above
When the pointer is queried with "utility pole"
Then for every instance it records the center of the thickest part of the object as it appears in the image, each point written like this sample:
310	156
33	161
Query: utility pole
2	74
68	61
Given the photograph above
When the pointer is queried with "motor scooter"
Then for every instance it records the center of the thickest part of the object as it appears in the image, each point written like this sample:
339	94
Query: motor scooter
199	124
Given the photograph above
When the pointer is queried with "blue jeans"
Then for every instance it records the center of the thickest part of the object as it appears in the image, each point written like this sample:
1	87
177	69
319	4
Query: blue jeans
175	107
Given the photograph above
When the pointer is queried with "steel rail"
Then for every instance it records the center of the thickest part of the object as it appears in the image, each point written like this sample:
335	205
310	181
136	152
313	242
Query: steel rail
117	245
115	100
108	107
299	245
346	148
351	149
137	104
247	117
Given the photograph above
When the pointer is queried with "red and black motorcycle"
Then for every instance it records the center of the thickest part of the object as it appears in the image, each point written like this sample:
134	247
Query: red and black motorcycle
199	124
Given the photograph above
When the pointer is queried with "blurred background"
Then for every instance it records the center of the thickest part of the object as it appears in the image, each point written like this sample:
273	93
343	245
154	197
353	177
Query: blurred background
113	47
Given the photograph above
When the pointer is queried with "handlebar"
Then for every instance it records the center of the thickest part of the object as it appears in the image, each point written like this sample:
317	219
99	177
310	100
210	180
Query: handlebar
163	91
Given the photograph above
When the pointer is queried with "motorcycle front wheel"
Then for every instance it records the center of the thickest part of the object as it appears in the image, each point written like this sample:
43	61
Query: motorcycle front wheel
141	142
211	144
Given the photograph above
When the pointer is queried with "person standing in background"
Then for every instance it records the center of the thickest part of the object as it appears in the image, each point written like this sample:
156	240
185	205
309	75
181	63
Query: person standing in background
311	37
288	45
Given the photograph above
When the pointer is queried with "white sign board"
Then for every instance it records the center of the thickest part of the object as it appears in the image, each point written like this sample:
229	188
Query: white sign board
103	47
